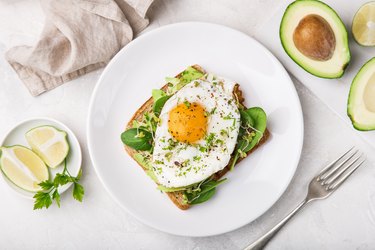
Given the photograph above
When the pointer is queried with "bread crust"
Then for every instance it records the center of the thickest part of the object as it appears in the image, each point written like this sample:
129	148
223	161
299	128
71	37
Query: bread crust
177	197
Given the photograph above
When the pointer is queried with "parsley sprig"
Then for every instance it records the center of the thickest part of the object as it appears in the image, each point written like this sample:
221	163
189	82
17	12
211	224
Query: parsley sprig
50	192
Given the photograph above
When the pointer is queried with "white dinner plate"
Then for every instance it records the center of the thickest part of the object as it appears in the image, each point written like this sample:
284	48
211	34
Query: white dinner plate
16	136
141	66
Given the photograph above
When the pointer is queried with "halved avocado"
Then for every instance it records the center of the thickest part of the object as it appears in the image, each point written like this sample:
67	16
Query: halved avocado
361	101
314	36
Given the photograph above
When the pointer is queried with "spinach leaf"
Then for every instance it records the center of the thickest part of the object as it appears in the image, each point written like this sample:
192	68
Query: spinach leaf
138	139
211	184
203	192
246	118
160	97
253	125
159	104
259	126
204	197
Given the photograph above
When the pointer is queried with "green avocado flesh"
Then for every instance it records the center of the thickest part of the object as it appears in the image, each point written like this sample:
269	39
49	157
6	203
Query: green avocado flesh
361	101
314	36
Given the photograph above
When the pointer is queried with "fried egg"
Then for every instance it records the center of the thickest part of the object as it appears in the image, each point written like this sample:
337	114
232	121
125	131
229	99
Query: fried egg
197	133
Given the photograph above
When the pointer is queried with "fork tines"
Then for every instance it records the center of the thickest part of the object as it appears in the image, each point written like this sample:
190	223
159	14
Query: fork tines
339	170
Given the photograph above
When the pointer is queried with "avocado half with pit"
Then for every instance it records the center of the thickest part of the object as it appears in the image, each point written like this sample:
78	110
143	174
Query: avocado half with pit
361	101
314	36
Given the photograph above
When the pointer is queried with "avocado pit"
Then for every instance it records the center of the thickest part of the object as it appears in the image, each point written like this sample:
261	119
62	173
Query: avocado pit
315	38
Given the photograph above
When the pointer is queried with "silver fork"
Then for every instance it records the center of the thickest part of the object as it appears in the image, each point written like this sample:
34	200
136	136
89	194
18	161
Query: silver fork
321	186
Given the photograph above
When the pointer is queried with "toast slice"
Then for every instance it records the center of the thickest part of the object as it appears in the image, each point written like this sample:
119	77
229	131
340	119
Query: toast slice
177	197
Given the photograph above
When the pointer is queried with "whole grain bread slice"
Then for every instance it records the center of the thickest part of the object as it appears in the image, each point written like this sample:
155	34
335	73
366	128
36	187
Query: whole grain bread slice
177	197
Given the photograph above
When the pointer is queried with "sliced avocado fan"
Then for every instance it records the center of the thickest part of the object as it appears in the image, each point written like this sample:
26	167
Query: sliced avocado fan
314	36
361	101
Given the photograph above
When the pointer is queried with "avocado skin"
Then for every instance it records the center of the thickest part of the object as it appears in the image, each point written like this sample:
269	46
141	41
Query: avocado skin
344	67
355	124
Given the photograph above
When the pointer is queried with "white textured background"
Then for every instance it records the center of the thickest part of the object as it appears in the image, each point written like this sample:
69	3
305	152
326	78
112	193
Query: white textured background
344	221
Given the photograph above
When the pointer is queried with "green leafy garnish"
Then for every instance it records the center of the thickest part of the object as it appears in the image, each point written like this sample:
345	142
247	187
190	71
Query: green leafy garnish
151	122
196	193
203	192
259	127
137	138
253	125
42	200
159	104
209	140
246	118
160	97
78	192
50	193
203	197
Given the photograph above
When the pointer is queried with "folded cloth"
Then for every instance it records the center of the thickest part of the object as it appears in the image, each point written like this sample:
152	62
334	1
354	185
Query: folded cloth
79	36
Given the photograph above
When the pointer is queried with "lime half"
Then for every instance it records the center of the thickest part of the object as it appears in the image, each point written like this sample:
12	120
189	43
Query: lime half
23	167
363	27
49	143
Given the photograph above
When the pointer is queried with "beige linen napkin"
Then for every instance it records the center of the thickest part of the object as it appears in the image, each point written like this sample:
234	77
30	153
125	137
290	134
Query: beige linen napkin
79	36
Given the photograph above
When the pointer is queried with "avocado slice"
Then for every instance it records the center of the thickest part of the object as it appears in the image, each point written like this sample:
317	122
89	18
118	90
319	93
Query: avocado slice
361	101
314	36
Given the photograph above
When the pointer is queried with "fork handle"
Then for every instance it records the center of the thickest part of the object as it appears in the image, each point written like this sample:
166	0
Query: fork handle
262	241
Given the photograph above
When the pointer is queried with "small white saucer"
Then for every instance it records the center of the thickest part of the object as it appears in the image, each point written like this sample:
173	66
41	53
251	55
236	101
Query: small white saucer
16	136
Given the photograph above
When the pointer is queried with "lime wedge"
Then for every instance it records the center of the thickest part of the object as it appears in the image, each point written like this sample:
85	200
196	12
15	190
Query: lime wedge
49	143
363	26
23	167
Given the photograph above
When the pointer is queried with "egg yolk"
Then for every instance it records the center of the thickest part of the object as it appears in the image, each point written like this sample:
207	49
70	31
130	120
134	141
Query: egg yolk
187	122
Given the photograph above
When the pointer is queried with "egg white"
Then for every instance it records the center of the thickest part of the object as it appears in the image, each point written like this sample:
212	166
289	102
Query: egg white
178	164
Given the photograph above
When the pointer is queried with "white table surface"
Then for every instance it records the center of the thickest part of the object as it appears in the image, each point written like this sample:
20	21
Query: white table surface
344	221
